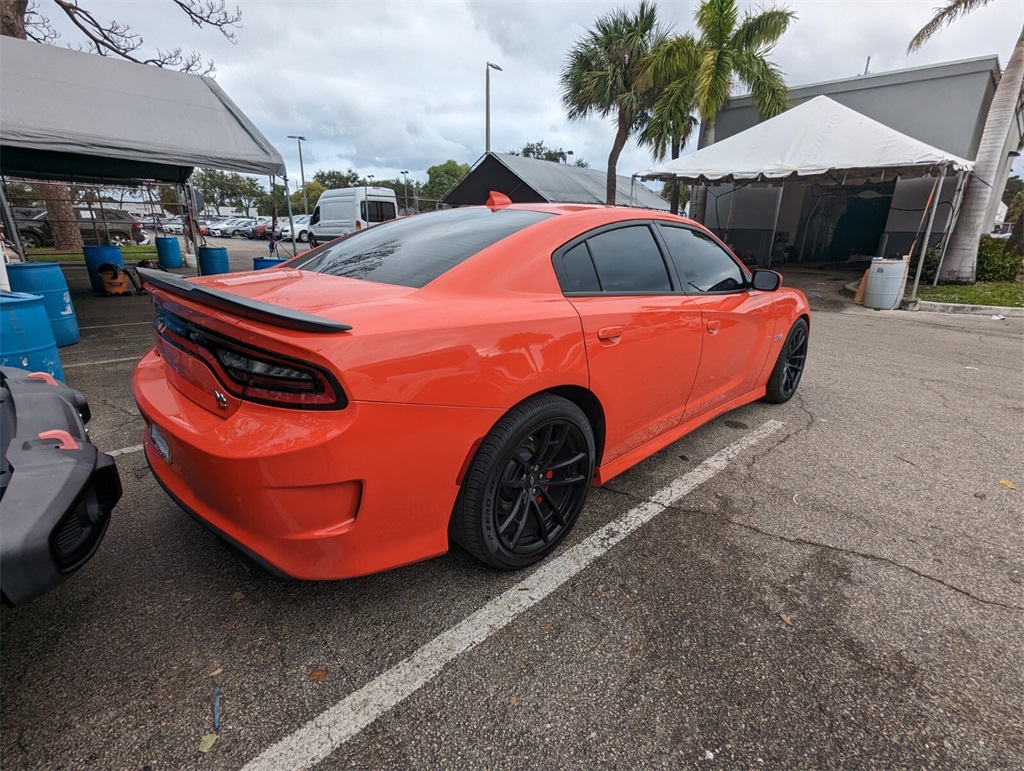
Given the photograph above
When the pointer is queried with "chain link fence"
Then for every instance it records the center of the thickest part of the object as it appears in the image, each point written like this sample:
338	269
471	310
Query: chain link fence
55	219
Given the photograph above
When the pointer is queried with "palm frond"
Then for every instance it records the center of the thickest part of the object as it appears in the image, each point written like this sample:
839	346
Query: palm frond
671	121
765	81
676	58
714	81
947	14
759	32
604	70
716	20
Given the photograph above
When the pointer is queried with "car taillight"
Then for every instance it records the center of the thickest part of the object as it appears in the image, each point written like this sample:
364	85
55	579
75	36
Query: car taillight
253	374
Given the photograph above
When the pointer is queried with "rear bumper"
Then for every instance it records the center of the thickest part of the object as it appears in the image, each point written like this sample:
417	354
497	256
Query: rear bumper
314	495
58	493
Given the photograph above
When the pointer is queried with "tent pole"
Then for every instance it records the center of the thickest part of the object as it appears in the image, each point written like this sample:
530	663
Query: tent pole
933	199
11	232
291	223
732	203
807	228
192	234
953	217
775	225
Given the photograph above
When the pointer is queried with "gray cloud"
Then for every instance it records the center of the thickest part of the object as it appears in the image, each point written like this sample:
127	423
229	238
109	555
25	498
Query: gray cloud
383	86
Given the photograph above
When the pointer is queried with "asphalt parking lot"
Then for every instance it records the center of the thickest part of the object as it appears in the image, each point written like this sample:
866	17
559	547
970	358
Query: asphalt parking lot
836	582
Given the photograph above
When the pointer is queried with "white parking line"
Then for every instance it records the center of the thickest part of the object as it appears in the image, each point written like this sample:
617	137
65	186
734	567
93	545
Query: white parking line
330	729
122	324
104	361
126	450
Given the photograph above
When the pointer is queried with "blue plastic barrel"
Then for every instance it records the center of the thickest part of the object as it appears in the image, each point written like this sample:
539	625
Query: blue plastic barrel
213	259
47	280
259	263
26	340
96	256
168	251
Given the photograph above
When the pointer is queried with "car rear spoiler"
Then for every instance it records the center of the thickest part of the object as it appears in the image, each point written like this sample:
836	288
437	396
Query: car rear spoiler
243	306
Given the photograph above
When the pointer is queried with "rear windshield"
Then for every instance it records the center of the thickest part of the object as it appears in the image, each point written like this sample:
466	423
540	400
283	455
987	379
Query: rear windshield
414	251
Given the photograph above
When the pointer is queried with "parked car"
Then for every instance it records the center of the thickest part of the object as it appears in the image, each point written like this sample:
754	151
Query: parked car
464	374
58	490
231	228
301	228
109	226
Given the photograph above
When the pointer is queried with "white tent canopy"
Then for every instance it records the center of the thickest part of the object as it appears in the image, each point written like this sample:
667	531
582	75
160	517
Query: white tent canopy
817	139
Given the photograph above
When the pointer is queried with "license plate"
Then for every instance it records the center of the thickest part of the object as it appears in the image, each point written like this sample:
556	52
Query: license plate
160	443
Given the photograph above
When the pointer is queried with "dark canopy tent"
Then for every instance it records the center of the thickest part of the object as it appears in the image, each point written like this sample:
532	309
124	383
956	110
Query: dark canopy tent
530	180
72	115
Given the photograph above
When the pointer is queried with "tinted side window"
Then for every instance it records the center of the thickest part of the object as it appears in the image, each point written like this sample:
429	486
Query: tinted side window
579	271
628	260
702	264
316	216
377	211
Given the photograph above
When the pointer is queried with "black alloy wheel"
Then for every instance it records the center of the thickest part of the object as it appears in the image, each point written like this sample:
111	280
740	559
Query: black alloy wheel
527	484
789	368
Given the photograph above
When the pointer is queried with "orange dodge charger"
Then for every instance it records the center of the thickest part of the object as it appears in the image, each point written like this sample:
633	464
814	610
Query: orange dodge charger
464	375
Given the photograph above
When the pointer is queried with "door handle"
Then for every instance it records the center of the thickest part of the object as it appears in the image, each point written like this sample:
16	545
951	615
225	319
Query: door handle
713	327
611	334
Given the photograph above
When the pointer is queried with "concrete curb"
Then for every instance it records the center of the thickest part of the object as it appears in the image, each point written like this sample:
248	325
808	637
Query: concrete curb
933	307
975	310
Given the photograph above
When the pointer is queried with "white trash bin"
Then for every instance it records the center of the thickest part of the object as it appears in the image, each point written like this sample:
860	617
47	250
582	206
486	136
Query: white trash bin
886	282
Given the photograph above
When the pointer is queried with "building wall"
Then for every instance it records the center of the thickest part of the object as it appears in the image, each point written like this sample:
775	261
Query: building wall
943	105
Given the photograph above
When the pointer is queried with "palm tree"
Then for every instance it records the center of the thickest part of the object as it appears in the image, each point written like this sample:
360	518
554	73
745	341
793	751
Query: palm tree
670	126
727	50
603	75
961	261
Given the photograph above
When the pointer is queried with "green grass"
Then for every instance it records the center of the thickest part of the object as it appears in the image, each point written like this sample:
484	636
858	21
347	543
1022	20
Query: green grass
52	255
1005	293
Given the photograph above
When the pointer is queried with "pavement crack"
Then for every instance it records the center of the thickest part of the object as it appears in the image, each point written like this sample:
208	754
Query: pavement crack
854	553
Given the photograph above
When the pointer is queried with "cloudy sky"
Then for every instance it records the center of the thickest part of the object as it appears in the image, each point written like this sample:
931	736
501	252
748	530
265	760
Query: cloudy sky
381	86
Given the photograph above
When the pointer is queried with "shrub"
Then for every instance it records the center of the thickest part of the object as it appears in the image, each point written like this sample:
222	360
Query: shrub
931	263
996	262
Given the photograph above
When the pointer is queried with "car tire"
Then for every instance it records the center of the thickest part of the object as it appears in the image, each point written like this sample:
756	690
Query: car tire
527	484
119	239
789	367
303	236
30	240
235	233
313	243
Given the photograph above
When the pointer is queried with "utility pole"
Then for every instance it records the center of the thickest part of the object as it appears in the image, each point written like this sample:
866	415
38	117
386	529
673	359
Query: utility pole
487	70
302	173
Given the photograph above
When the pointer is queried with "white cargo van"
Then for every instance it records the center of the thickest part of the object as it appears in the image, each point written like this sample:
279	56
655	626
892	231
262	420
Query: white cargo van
352	208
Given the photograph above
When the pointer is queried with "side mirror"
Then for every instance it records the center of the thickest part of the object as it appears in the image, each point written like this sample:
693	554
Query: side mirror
767	280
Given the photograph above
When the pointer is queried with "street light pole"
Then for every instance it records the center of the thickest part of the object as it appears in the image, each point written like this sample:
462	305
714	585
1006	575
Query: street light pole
405	176
487	70
302	173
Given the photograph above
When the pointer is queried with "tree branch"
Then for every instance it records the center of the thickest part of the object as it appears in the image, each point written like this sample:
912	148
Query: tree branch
38	27
117	39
